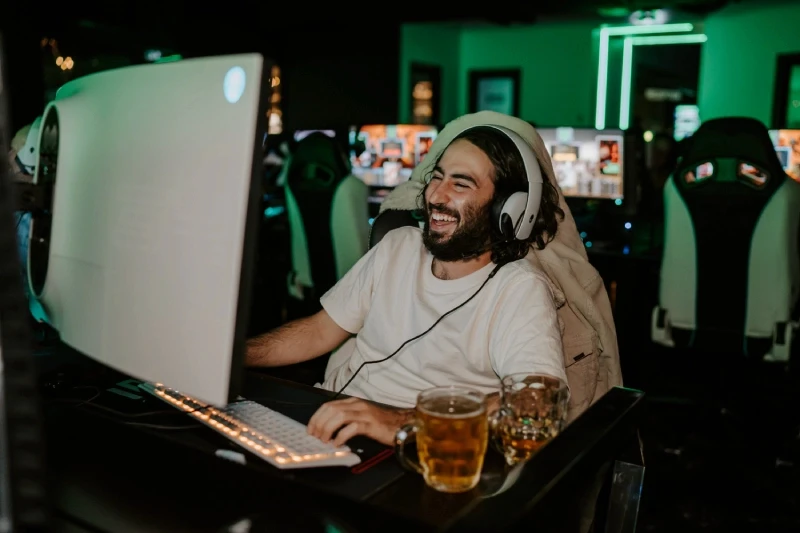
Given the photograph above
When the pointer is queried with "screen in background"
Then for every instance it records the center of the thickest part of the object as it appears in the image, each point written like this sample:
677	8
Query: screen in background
384	155
787	146
687	120
588	163
299	135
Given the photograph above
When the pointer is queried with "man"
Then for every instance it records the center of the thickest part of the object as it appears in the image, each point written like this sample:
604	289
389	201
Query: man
411	279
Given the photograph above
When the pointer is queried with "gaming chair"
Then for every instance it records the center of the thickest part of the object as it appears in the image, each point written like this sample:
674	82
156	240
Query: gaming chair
389	220
730	273
328	218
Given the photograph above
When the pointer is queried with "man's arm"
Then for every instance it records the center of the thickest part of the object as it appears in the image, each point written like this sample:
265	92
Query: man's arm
296	341
344	419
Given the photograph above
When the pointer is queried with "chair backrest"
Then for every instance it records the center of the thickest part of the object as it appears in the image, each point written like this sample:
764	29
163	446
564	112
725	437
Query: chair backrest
730	266
389	220
317	167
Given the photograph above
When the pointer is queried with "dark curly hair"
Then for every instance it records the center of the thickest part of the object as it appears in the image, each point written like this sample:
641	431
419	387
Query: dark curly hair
509	177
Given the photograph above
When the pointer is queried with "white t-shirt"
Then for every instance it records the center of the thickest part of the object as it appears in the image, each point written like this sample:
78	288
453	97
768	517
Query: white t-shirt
391	295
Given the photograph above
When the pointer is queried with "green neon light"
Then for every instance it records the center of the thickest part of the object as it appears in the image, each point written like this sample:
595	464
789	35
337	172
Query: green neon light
602	83
693	38
627	72
602	62
627	66
169	59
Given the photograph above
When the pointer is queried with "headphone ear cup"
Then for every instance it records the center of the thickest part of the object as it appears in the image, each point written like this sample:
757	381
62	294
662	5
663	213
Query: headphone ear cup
502	222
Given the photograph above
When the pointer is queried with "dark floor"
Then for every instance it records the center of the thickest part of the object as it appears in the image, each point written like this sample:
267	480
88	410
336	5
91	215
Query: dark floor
721	452
721	434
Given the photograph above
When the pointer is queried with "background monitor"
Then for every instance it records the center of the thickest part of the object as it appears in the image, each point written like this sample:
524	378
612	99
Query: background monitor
299	135
384	155
154	218
588	163
686	122
787	145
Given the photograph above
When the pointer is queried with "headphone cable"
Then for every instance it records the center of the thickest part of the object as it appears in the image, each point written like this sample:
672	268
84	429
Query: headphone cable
412	339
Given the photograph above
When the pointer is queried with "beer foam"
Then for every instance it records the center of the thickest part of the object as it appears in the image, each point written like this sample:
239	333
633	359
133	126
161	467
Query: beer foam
452	408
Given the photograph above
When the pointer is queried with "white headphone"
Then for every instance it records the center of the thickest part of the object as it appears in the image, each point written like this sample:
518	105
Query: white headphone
517	210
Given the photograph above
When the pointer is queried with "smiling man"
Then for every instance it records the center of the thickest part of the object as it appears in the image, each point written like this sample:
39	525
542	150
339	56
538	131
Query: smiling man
504	319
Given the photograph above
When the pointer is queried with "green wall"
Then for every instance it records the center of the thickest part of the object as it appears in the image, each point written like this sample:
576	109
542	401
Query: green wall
557	61
432	44
558	68
737	69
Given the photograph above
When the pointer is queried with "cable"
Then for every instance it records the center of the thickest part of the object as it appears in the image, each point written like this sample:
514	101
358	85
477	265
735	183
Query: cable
160	426
412	339
90	403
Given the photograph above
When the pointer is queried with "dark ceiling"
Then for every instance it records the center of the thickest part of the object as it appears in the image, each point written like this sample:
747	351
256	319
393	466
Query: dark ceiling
249	13
506	12
236	25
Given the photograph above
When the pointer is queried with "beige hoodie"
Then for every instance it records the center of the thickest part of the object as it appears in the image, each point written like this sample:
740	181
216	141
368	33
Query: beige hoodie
591	355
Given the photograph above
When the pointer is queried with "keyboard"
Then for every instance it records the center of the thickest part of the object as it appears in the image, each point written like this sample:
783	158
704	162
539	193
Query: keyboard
281	441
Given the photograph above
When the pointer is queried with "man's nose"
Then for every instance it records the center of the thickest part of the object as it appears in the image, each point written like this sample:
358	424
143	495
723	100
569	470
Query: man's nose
438	194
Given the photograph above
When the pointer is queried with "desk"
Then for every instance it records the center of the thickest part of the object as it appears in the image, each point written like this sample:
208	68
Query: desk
107	476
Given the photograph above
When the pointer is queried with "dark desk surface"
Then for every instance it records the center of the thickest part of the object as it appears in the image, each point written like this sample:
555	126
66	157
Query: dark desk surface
111	473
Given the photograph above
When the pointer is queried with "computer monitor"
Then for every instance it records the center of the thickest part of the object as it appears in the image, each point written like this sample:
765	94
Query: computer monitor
155	172
787	146
588	163
299	135
686	121
384	155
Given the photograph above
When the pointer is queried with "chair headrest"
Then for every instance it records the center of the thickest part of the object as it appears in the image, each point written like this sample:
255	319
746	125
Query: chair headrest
734	138
318	159
389	220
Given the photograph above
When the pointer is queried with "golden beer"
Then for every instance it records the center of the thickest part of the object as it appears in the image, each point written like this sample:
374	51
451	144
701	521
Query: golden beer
452	435
522	437
451	442
532	412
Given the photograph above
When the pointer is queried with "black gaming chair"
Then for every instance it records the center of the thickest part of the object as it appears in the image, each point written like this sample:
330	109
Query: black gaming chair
389	220
328	219
730	274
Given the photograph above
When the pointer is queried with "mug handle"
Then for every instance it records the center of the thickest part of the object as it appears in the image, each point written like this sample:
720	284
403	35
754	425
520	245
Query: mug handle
494	428
400	439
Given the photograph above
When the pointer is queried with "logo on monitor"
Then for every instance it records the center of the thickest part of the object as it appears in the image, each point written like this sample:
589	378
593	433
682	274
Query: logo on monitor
233	85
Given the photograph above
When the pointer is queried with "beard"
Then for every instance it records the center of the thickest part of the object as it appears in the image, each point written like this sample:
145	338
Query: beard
467	241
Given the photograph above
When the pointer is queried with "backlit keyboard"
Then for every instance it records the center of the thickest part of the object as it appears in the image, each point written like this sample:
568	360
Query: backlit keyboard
272	436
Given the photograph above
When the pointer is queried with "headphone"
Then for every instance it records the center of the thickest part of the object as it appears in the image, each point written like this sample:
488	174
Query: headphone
514	213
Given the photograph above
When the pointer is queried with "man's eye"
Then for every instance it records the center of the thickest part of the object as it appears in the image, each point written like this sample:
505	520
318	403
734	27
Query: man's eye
435	178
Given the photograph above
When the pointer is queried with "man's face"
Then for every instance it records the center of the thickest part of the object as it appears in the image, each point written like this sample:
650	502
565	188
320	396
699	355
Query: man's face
458	202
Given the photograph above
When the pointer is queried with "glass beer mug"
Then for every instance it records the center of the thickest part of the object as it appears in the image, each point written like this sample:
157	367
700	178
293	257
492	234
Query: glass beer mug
533	411
452	432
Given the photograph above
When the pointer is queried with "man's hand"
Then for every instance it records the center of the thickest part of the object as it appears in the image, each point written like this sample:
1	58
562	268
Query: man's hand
355	416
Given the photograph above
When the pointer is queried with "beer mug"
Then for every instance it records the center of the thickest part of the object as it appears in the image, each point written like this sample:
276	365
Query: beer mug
452	432
533	411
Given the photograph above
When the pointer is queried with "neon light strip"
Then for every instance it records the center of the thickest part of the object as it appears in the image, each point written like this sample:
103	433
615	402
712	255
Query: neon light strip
602	61
625	94
627	66
693	38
